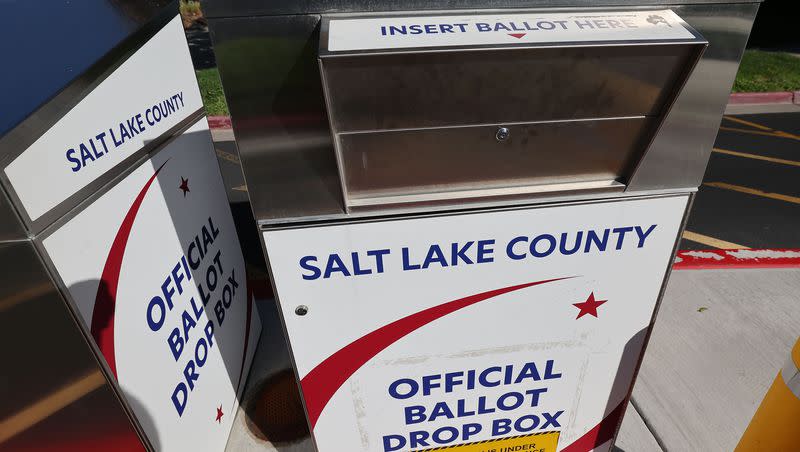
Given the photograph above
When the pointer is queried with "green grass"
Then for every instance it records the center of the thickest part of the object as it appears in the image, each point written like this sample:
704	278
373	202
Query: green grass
190	7
211	90
767	71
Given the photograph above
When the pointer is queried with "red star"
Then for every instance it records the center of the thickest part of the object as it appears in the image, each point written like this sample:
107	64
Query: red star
589	306
184	186
219	414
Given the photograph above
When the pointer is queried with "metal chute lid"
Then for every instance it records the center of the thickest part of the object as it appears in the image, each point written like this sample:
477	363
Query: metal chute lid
414	101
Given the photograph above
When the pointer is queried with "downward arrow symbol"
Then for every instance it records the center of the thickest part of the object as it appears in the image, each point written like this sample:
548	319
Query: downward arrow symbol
517	35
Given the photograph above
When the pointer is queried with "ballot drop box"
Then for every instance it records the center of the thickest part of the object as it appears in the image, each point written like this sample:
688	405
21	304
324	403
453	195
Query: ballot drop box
470	216
133	323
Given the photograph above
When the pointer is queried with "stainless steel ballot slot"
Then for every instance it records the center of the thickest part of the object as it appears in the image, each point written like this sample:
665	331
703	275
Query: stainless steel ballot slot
421	123
469	215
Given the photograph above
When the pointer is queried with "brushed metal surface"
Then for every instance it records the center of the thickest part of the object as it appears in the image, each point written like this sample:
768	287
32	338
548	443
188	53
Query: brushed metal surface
504	84
54	395
500	196
234	8
678	155
10	224
270	74
447	160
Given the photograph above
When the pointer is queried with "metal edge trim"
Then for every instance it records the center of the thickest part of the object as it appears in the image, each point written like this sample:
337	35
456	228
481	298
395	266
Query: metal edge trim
454	195
656	309
495	124
480	210
547	199
511	47
340	167
278	11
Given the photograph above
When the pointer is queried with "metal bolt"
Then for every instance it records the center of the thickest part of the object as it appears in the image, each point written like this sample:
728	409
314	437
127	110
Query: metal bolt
301	310
502	134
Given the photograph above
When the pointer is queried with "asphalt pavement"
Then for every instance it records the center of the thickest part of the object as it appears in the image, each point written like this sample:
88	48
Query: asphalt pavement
750	197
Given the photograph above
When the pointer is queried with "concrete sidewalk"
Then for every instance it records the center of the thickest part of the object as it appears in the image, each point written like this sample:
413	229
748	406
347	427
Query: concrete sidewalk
748	109
706	370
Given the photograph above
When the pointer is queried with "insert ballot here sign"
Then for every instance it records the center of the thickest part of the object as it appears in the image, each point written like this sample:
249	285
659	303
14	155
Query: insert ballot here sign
485	332
373	33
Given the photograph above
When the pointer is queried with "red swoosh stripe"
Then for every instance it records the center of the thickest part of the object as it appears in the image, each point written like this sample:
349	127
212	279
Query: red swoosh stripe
105	302
324	380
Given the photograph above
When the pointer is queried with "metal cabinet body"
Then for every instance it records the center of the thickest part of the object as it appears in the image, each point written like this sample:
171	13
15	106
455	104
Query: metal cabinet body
87	90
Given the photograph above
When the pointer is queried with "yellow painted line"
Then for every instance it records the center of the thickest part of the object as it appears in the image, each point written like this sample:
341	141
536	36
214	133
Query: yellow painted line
781	133
753	191
50	404
774	132
712	242
228	156
753	132
757	157
747	123
28	294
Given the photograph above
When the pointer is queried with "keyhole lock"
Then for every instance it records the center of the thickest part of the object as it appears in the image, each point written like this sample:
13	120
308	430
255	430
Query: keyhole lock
502	134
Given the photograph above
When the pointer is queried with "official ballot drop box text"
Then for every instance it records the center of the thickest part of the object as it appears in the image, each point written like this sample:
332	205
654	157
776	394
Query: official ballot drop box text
469	216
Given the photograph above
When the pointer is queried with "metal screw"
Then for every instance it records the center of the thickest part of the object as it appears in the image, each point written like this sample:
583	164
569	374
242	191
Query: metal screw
502	134
301	310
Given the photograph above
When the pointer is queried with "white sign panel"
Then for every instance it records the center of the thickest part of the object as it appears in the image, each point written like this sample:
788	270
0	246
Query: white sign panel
156	271
149	93
511	330
534	28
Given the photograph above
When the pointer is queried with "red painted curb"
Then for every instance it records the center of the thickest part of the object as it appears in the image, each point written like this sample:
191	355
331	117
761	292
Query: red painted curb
745	258
219	122
777	97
